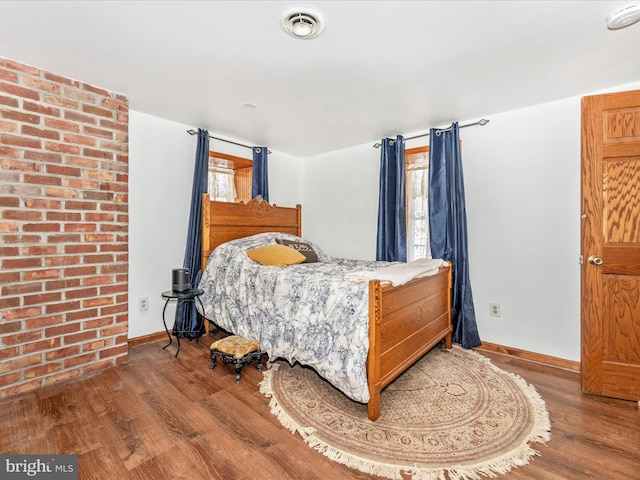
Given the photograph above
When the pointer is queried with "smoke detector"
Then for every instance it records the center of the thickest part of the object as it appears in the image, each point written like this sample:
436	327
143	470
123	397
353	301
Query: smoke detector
303	23
623	16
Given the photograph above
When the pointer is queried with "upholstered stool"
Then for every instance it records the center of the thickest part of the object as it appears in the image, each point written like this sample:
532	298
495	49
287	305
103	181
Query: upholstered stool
236	350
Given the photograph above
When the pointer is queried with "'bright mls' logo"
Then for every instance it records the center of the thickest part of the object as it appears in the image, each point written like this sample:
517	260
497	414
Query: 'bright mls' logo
49	467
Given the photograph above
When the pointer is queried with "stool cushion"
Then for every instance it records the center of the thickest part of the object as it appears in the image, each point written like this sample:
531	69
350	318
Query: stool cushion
235	345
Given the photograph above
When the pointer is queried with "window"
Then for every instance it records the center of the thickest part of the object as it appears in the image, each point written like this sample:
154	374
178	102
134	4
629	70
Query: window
229	178
417	191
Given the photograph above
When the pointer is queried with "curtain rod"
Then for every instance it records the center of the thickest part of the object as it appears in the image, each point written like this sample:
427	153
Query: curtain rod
193	132
481	122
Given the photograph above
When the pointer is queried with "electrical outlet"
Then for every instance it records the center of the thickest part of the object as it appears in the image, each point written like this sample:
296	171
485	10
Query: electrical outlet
494	309
143	303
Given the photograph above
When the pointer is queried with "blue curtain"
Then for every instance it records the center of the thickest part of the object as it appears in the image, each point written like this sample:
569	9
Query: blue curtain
260	178
448	228
391	242
187	317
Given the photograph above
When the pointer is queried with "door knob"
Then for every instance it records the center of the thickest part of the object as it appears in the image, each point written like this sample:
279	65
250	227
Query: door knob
595	260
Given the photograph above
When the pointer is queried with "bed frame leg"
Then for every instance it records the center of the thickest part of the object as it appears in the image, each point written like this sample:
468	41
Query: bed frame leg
373	406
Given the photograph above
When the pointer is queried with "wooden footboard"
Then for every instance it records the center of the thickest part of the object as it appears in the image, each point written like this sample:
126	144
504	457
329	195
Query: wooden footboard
404	323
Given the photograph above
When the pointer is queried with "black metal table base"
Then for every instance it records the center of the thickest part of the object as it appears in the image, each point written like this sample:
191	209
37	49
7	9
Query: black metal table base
182	297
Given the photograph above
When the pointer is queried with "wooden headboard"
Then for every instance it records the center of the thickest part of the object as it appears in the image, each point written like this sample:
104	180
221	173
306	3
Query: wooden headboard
225	221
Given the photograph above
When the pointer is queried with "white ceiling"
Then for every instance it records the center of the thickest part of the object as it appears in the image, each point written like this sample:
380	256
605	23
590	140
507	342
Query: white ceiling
380	68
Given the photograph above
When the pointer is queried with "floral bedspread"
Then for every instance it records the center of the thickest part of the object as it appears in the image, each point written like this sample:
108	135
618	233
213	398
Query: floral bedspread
307	313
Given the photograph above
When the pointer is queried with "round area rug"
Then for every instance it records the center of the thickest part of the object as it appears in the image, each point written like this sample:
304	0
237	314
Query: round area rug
453	411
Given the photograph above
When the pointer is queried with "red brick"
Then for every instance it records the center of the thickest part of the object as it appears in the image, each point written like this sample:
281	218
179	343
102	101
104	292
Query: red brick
41	274
21	313
41	156
64	170
42	180
42	298
9	352
39	322
21	239
62	329
114	104
80	293
20	141
80	184
94	89
9	379
47	344
82	161
82	314
111	352
92	152
21	263
10	302
9	251
41	227
42	203
8	277
62	148
9	152
41	84
101	258
80	360
21	288
100	197
80	117
19	116
99	280
23	337
121	126
97	323
22	215
19	91
40	132
98	111
96	366
21	362
21	387
60	102
10	327
9	202
79	271
76	205
62	307
20	67
98	132
8	127
9	102
42	109
99	217
61	193
82	336
62	353
80	140
61	125
42	370
64	238
97	302
60	79
62	284
9	76
9	227
64	216
98	238
81	248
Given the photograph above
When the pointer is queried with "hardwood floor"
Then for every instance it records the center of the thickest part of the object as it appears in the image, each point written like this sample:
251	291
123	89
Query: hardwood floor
159	417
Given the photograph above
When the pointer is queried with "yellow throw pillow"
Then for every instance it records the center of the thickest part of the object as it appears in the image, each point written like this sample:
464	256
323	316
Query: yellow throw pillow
276	255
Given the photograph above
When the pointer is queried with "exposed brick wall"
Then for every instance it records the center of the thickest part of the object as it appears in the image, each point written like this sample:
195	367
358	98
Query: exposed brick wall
63	228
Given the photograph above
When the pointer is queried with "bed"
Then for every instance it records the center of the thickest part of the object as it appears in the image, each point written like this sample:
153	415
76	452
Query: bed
375	341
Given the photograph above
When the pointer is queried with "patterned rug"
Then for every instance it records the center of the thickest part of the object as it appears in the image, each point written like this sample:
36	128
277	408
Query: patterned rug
453	415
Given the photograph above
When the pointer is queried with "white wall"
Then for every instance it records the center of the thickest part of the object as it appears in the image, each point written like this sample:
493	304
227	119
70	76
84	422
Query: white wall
522	181
161	156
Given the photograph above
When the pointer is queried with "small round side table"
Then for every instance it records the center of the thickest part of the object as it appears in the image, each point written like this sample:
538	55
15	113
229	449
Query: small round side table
187	296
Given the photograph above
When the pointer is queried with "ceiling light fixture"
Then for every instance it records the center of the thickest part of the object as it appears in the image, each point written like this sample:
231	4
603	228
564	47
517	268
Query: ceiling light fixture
623	16
303	23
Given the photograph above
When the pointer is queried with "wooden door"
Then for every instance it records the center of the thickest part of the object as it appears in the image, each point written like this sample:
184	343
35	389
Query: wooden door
611	245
